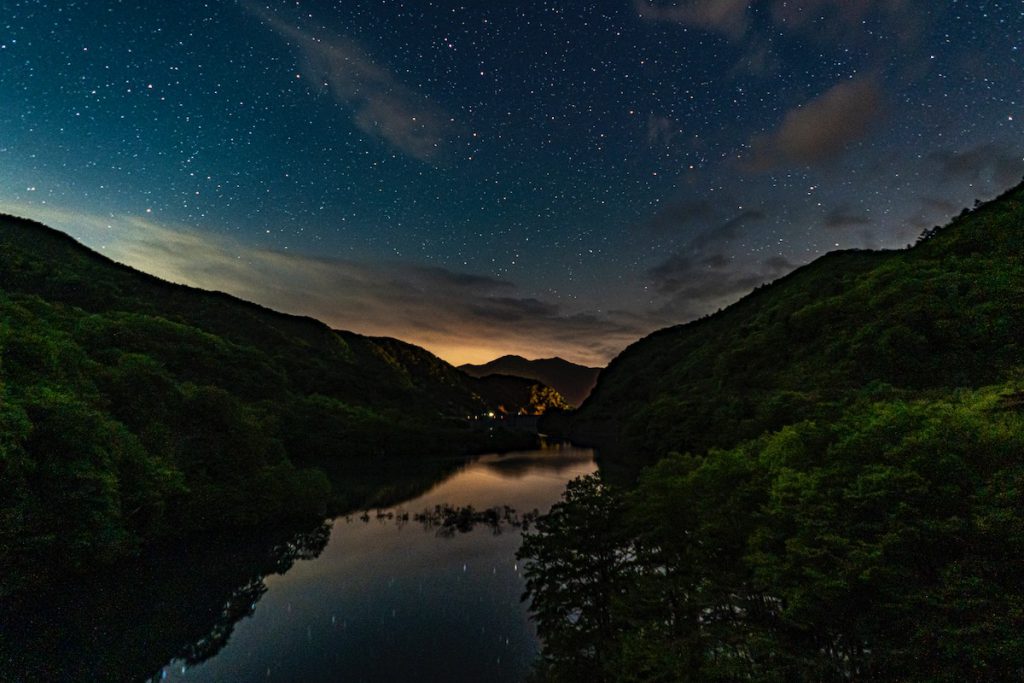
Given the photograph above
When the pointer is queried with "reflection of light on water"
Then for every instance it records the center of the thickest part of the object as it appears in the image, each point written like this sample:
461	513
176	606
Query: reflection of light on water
405	595
526	479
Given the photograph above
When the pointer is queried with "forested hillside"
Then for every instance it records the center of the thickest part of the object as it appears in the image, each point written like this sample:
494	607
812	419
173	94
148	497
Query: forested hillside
948	312
132	409
837	487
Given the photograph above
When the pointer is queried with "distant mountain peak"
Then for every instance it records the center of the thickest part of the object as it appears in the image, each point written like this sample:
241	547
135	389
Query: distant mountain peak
574	382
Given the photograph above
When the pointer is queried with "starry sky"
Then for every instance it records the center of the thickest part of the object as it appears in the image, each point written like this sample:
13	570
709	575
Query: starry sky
479	178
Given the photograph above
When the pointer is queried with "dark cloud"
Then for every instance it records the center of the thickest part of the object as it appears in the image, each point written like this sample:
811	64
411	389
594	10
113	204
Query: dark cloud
726	231
715	261
962	176
668	275
461	317
681	274
703	276
728	17
693	289
680	215
778	264
985	163
444	277
511	310
820	130
942	206
695	268
699	277
379	104
843	216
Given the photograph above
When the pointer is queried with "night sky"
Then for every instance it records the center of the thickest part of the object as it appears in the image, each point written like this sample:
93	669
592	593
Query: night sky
541	178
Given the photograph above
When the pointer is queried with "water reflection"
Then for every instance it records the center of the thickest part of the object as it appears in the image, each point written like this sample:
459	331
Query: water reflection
366	600
556	460
182	602
396	602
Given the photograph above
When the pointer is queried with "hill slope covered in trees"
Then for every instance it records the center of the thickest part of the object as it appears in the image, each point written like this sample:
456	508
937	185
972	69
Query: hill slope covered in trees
132	409
837	487
948	312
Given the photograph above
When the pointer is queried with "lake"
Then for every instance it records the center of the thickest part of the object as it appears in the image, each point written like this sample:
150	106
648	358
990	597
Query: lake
390	599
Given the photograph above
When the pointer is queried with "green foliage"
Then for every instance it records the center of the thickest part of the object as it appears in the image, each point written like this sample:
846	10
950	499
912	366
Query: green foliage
573	585
946	313
133	410
834	477
884	546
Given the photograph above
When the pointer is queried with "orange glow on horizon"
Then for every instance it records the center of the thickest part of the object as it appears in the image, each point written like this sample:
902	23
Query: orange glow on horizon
461	354
458	354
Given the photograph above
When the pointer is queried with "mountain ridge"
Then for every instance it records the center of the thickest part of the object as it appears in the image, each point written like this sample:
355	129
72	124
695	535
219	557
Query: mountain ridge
573	381
134	410
822	481
911	319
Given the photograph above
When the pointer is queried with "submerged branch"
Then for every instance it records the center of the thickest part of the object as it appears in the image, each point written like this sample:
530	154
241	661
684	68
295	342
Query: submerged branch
448	519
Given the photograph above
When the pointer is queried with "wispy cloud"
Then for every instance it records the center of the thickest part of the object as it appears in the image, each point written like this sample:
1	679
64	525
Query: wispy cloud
679	215
843	216
462	317
661	130
986	163
728	17
727	230
380	105
831	18
893	32
820	130
704	273
696	285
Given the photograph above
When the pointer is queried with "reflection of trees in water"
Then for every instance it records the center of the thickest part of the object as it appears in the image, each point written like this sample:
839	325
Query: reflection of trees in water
183	603
449	519
125	626
553	461
361	483
242	602
180	603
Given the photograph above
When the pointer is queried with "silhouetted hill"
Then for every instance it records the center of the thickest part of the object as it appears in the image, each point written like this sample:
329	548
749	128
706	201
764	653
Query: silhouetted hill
948	312
499	393
573	382
133	409
833	485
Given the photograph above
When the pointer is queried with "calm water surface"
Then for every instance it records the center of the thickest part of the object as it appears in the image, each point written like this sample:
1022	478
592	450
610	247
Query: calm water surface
387	601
